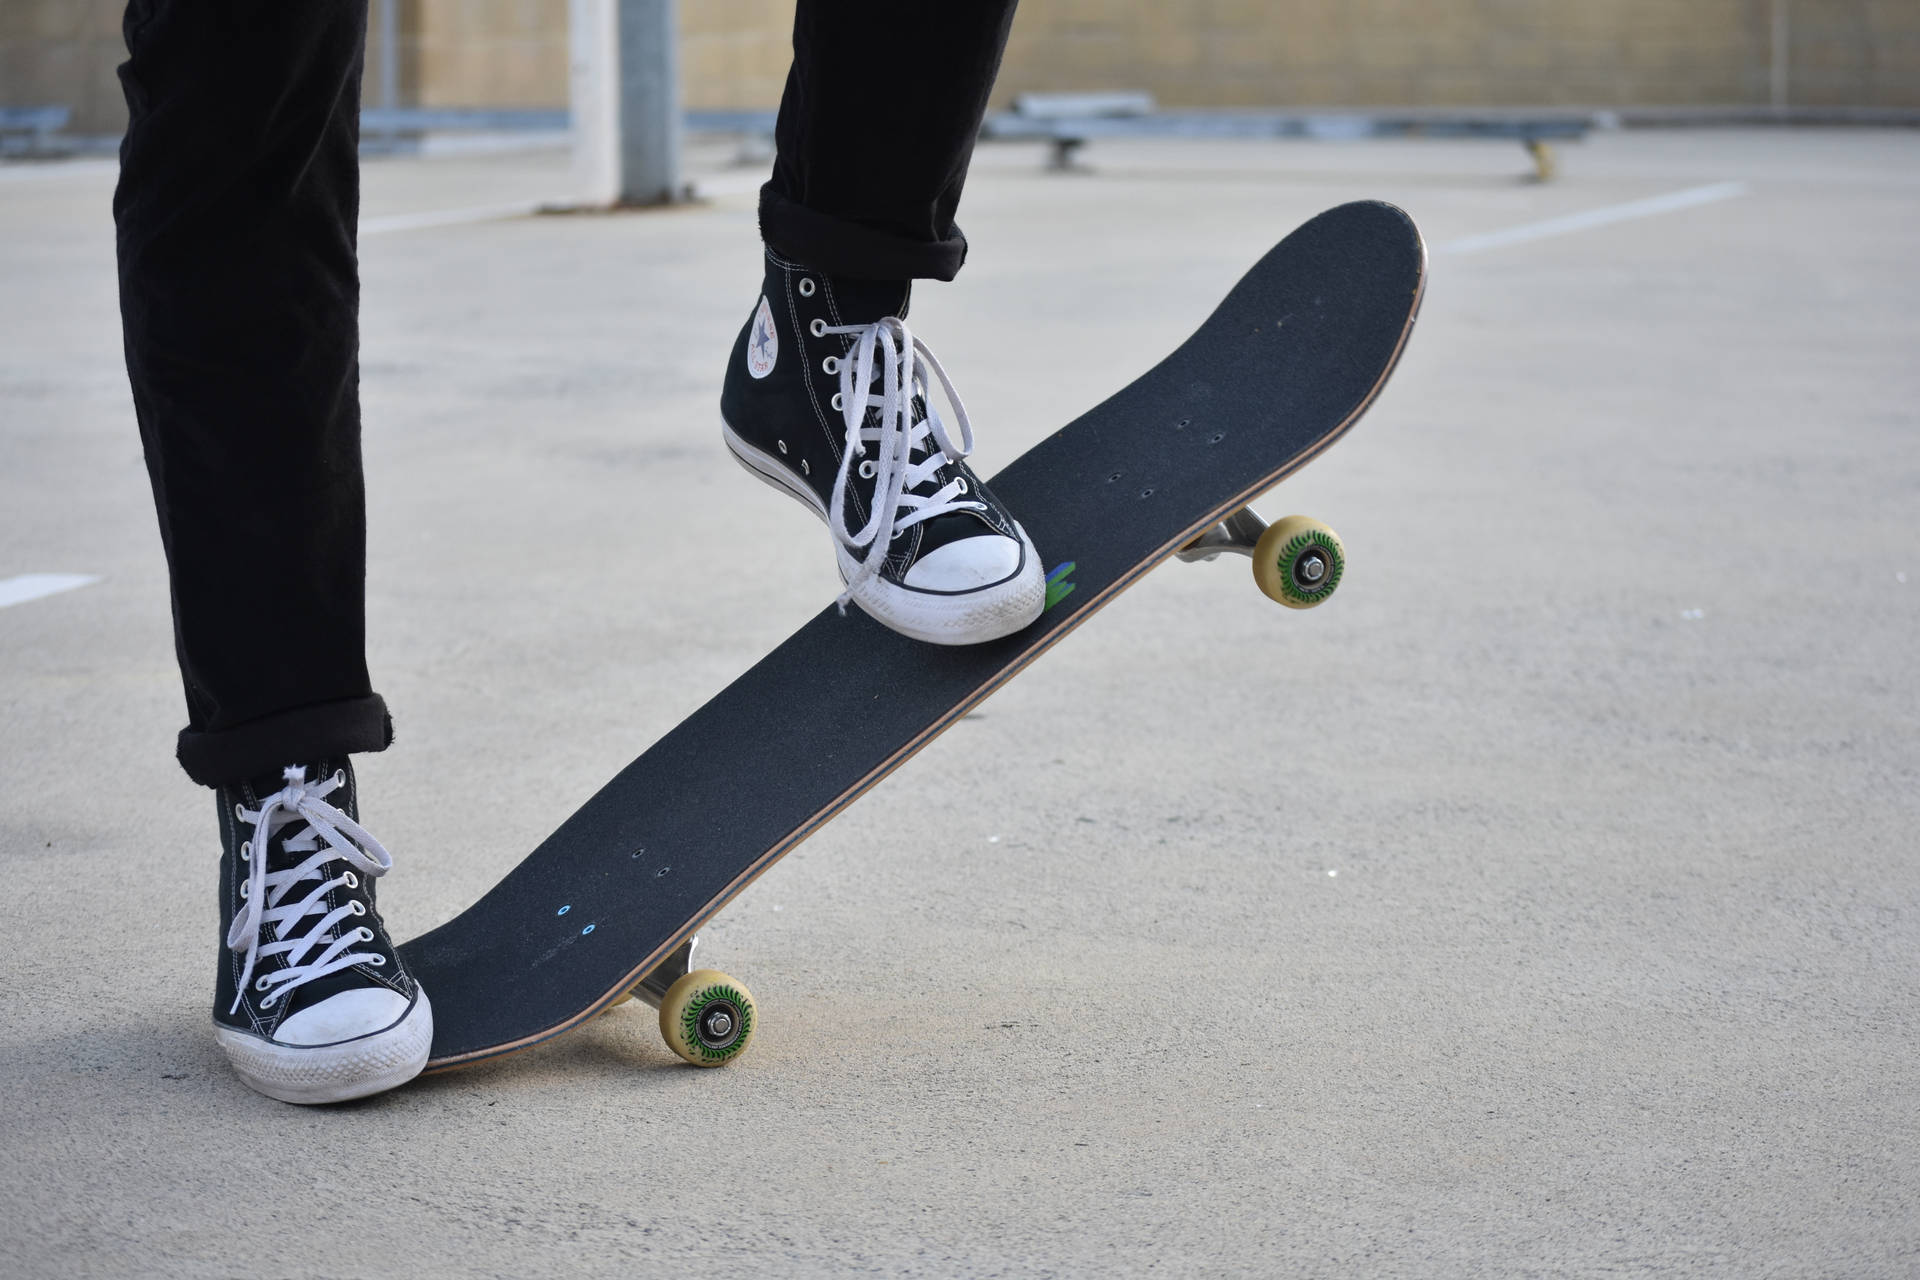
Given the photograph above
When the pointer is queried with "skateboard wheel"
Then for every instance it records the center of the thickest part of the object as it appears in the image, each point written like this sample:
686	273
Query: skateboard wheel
707	1018
1298	562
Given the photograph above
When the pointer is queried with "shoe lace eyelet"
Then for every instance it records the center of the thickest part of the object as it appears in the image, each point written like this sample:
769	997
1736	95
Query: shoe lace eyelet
378	961
830	365
805	470
239	811
963	485
359	907
867	469
818	328
260	983
353	881
783	447
806	287
339	777
839	401
246	887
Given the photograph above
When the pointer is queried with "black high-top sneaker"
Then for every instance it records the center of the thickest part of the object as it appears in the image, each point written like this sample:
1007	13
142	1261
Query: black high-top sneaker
826	399
312	1003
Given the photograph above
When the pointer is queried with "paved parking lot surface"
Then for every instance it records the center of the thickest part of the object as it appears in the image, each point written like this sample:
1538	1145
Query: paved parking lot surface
1546	904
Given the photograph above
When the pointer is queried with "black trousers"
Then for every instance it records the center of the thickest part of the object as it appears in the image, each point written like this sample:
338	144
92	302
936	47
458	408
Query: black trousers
236	220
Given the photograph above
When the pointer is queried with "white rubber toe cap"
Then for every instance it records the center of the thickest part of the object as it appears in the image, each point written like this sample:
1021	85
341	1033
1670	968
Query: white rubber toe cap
372	1059
351	1014
966	565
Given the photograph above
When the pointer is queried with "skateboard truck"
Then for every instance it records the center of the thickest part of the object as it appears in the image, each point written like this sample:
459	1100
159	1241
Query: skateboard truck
653	988
1296	561
705	1016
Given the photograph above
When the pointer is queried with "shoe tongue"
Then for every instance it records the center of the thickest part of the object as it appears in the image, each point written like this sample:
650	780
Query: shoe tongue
864	301
266	784
290	826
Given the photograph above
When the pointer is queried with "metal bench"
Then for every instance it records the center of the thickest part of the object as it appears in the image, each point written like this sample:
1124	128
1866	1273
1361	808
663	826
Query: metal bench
1068	121
1064	120
29	131
1536	132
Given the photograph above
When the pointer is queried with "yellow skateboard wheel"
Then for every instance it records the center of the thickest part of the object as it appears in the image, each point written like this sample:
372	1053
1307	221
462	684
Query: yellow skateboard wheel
707	1018
1298	562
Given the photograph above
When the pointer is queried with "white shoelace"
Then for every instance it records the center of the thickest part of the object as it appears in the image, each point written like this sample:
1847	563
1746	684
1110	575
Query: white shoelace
905	367
264	896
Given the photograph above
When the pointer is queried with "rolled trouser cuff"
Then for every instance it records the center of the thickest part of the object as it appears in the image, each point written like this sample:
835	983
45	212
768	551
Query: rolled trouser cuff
220	757
842	248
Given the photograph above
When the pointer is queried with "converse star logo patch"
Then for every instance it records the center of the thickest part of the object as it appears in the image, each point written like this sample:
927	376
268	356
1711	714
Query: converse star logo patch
763	344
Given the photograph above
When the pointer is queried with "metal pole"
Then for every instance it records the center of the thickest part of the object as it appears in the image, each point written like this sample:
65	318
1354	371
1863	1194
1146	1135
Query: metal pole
1779	70
649	102
594	74
625	95
389	54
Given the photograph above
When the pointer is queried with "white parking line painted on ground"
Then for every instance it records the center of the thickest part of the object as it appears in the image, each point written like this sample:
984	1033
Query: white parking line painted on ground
1688	199
32	586
445	217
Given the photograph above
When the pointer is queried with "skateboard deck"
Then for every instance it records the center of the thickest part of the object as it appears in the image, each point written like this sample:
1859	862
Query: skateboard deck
607	905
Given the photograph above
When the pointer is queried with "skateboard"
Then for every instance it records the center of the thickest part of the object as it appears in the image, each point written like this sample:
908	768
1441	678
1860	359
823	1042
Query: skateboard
610	904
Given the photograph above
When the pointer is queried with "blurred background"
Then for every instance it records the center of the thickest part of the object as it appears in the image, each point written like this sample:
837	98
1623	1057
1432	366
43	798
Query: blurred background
1641	58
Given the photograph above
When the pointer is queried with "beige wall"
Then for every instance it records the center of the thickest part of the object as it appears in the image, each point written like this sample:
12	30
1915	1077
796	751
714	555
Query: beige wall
513	53
734	53
1468	52
1856	53
497	53
1371	52
64	52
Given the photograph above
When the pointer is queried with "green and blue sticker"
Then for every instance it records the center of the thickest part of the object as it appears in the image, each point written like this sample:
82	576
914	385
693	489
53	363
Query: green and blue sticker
1058	588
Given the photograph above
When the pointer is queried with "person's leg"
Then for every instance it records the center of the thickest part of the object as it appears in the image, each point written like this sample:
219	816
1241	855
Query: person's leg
827	394
876	128
239	293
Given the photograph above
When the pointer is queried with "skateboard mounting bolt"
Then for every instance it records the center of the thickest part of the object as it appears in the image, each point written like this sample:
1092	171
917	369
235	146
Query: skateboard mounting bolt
719	1024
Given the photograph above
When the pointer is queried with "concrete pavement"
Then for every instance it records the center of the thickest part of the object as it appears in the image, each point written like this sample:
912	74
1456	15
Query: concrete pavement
1547	904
